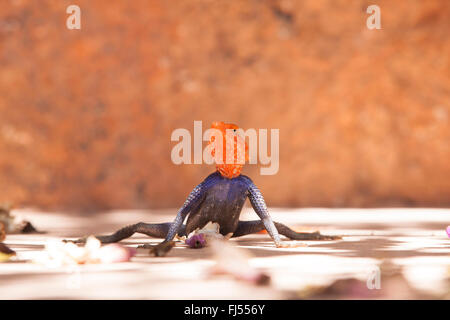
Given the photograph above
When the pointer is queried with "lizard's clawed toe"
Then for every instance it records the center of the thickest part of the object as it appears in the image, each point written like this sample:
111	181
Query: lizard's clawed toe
77	241
160	250
295	244
319	236
145	246
334	237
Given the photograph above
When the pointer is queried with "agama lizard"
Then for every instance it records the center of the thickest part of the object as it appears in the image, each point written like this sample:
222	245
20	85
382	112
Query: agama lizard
218	199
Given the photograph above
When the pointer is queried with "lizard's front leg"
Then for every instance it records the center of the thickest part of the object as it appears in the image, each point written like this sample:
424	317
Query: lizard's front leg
194	199
260	207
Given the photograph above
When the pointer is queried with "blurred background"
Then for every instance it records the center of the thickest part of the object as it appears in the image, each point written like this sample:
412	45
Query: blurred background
86	115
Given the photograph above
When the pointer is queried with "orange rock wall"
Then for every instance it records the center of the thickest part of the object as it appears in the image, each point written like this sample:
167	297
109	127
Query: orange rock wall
86	115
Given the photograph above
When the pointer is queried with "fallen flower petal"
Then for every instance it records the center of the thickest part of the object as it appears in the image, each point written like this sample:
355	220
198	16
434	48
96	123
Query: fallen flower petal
58	253
235	261
5	252
448	231
5	257
2	232
115	253
13	224
200	238
196	241
92	244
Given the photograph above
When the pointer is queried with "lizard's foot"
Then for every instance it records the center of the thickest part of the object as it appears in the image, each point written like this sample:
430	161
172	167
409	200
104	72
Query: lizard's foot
285	244
145	246
317	236
161	249
78	241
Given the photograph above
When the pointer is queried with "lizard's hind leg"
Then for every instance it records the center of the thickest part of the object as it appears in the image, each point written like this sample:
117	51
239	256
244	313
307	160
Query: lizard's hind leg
156	230
249	227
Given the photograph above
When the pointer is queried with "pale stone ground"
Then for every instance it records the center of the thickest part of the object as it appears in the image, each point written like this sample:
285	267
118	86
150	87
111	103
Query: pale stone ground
414	239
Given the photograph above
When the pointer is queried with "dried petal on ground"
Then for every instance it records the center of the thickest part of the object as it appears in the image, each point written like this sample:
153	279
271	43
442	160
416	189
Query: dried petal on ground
210	231
234	261
200	238
2	232
114	252
58	253
13	224
196	241
5	252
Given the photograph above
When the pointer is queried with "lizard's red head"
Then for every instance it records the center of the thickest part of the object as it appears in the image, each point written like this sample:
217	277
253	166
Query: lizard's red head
227	138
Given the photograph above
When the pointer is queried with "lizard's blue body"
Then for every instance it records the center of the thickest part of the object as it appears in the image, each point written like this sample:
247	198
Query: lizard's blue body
219	199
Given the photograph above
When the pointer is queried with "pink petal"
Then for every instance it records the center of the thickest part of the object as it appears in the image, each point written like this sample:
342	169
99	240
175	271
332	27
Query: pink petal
116	253
196	241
